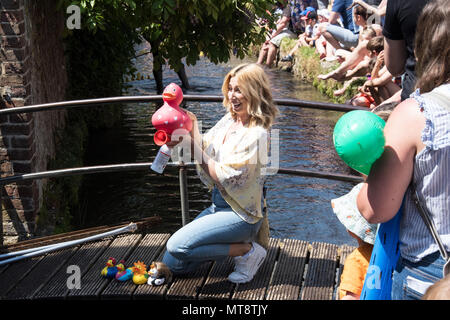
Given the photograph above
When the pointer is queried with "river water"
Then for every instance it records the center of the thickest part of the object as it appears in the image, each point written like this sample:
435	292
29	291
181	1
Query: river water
299	207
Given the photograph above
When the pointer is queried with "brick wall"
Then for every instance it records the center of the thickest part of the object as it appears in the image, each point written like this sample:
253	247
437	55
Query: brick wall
32	72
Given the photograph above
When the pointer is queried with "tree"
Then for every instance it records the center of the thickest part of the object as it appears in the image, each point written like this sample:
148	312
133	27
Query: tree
182	29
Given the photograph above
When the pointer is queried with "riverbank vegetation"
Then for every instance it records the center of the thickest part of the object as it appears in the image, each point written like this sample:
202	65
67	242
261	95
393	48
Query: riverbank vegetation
307	66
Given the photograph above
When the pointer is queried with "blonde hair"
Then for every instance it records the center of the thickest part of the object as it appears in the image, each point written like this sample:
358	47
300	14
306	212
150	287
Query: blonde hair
255	87
432	46
368	32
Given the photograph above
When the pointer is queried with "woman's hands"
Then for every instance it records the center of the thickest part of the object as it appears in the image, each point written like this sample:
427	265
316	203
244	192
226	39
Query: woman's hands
188	138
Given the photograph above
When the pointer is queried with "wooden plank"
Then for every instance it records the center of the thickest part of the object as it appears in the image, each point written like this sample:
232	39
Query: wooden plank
279	278
142	225
146	251
15	272
344	251
321	273
84	257
288	274
256	289
3	268
217	285
42	273
189	285
92	283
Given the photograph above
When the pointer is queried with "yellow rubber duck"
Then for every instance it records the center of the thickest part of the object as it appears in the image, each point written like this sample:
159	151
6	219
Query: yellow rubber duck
140	274
111	269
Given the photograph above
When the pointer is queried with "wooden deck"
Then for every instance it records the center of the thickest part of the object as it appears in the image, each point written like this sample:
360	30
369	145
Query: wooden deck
292	270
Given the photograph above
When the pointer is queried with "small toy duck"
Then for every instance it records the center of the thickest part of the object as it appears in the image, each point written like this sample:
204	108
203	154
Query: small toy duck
170	117
125	275
120	269
159	274
122	273
140	274
111	269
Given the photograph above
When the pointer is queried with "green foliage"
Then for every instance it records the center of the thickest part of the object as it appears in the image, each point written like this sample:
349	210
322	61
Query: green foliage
180	29
214	28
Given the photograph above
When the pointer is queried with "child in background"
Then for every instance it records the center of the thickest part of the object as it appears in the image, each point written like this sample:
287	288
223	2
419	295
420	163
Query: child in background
345	208
311	32
323	48
307	38
356	264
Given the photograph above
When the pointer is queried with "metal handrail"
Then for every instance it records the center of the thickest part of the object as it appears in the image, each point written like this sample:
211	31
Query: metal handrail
158	98
146	166
182	177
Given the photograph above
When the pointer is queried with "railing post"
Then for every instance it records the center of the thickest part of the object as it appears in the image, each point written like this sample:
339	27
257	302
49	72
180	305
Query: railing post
184	194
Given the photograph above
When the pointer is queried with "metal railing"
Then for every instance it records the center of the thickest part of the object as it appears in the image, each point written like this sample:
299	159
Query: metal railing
158	98
145	166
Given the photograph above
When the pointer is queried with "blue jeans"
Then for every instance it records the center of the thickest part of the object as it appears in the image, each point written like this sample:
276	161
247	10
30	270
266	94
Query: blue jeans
207	237
410	280
346	37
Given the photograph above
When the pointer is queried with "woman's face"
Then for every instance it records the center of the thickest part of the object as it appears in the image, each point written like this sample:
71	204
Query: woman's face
238	101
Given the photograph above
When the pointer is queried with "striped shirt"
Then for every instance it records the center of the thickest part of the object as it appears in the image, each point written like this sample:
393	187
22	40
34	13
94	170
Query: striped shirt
431	175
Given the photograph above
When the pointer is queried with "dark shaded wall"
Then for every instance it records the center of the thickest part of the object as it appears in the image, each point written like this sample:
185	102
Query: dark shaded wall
32	72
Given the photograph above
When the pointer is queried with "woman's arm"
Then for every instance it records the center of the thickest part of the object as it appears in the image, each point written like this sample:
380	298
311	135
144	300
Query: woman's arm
382	194
378	65
207	164
384	78
395	56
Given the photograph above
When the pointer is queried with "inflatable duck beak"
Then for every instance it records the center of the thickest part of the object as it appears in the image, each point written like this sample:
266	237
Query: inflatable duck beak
169	96
161	138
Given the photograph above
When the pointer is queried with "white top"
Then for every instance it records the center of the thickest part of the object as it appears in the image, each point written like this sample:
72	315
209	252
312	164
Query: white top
240	165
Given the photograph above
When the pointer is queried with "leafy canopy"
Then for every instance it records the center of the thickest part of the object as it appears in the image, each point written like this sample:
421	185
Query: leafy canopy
182	28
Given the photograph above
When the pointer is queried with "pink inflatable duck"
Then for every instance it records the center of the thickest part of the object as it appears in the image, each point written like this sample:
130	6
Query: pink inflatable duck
170	117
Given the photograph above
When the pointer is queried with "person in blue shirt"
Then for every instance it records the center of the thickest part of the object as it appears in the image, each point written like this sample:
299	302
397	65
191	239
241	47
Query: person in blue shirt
347	36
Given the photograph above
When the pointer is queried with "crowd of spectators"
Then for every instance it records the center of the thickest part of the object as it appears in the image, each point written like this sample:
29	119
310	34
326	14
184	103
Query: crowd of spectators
406	82
358	37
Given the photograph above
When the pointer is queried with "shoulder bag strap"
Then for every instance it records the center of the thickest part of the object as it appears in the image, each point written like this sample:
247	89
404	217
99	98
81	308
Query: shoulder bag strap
428	221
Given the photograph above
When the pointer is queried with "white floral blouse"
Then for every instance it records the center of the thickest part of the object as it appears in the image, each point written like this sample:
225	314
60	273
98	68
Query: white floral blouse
240	166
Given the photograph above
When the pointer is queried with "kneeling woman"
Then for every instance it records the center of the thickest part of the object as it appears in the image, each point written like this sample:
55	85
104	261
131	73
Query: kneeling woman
231	159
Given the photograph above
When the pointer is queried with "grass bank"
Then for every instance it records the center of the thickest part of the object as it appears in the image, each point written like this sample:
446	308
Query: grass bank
307	66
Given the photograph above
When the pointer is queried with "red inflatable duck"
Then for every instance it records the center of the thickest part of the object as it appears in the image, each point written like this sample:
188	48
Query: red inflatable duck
170	117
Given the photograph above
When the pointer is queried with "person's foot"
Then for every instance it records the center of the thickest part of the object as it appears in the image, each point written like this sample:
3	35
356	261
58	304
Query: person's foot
247	265
331	58
323	76
339	92
331	75
287	58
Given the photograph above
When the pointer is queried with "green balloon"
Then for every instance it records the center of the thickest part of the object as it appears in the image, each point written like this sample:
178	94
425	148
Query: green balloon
359	139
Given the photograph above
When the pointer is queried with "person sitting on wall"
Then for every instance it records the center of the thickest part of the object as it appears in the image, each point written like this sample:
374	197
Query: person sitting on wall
268	51
308	38
353	58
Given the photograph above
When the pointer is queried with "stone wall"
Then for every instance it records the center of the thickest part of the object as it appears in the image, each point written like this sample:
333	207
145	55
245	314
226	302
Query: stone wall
32	72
